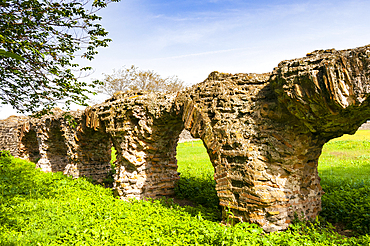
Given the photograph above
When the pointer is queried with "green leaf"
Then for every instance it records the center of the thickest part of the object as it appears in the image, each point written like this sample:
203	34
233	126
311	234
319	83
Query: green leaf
10	54
40	40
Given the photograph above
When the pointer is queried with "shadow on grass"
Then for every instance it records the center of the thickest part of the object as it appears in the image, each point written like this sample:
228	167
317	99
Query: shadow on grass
198	190
347	202
207	213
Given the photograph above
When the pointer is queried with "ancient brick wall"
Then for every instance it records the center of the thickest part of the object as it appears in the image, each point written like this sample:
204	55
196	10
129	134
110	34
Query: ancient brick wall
144	128
9	132
265	159
55	144
263	132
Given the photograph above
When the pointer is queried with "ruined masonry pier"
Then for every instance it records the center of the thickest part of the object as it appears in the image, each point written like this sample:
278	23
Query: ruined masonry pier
263	133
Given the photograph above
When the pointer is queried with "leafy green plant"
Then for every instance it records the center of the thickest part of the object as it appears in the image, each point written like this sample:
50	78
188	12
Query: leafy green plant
344	169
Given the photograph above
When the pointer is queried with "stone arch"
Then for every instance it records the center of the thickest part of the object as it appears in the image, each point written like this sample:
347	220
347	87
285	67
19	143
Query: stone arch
264	132
71	147
144	128
263	145
29	148
89	149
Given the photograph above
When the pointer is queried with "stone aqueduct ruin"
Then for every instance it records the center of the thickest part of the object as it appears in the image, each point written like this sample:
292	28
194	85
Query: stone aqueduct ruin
263	132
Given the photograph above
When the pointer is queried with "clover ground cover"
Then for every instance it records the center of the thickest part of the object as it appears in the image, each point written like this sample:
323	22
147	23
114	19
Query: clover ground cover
39	208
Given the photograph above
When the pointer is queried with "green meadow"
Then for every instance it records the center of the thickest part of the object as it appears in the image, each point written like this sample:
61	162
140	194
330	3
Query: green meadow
347	157
39	208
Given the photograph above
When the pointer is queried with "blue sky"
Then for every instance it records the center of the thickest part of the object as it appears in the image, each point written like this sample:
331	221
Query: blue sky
192	38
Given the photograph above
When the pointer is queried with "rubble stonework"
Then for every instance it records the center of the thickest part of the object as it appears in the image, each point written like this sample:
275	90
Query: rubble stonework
55	144
263	132
144	128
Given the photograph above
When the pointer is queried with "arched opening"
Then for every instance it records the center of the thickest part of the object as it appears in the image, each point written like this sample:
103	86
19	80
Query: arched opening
346	157
344	169
30	147
196	184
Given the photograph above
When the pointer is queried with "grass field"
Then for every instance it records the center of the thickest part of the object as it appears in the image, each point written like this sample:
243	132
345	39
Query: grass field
39	208
347	157
196	179
193	160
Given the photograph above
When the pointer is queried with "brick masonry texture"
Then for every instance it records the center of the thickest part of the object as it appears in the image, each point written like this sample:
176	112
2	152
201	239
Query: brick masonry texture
264	134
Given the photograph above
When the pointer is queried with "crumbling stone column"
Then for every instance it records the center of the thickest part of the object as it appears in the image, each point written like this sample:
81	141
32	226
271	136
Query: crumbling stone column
265	159
52	146
144	128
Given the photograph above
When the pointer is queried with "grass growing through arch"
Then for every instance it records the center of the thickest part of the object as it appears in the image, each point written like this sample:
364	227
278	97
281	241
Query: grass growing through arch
347	157
196	176
344	168
50	209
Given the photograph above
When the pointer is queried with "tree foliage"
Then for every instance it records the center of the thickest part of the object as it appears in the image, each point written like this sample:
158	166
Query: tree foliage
134	79
39	40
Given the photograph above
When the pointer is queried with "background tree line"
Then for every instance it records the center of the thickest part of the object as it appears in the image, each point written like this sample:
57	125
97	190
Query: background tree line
132	78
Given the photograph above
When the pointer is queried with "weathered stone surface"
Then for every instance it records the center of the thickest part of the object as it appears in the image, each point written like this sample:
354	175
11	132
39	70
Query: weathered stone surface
144	129
327	90
56	145
265	159
263	132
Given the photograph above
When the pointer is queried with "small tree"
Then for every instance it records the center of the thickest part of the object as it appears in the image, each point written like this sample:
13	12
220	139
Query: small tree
39	40
134	79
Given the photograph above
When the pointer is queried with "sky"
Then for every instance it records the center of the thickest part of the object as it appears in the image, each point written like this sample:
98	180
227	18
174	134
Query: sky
192	38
